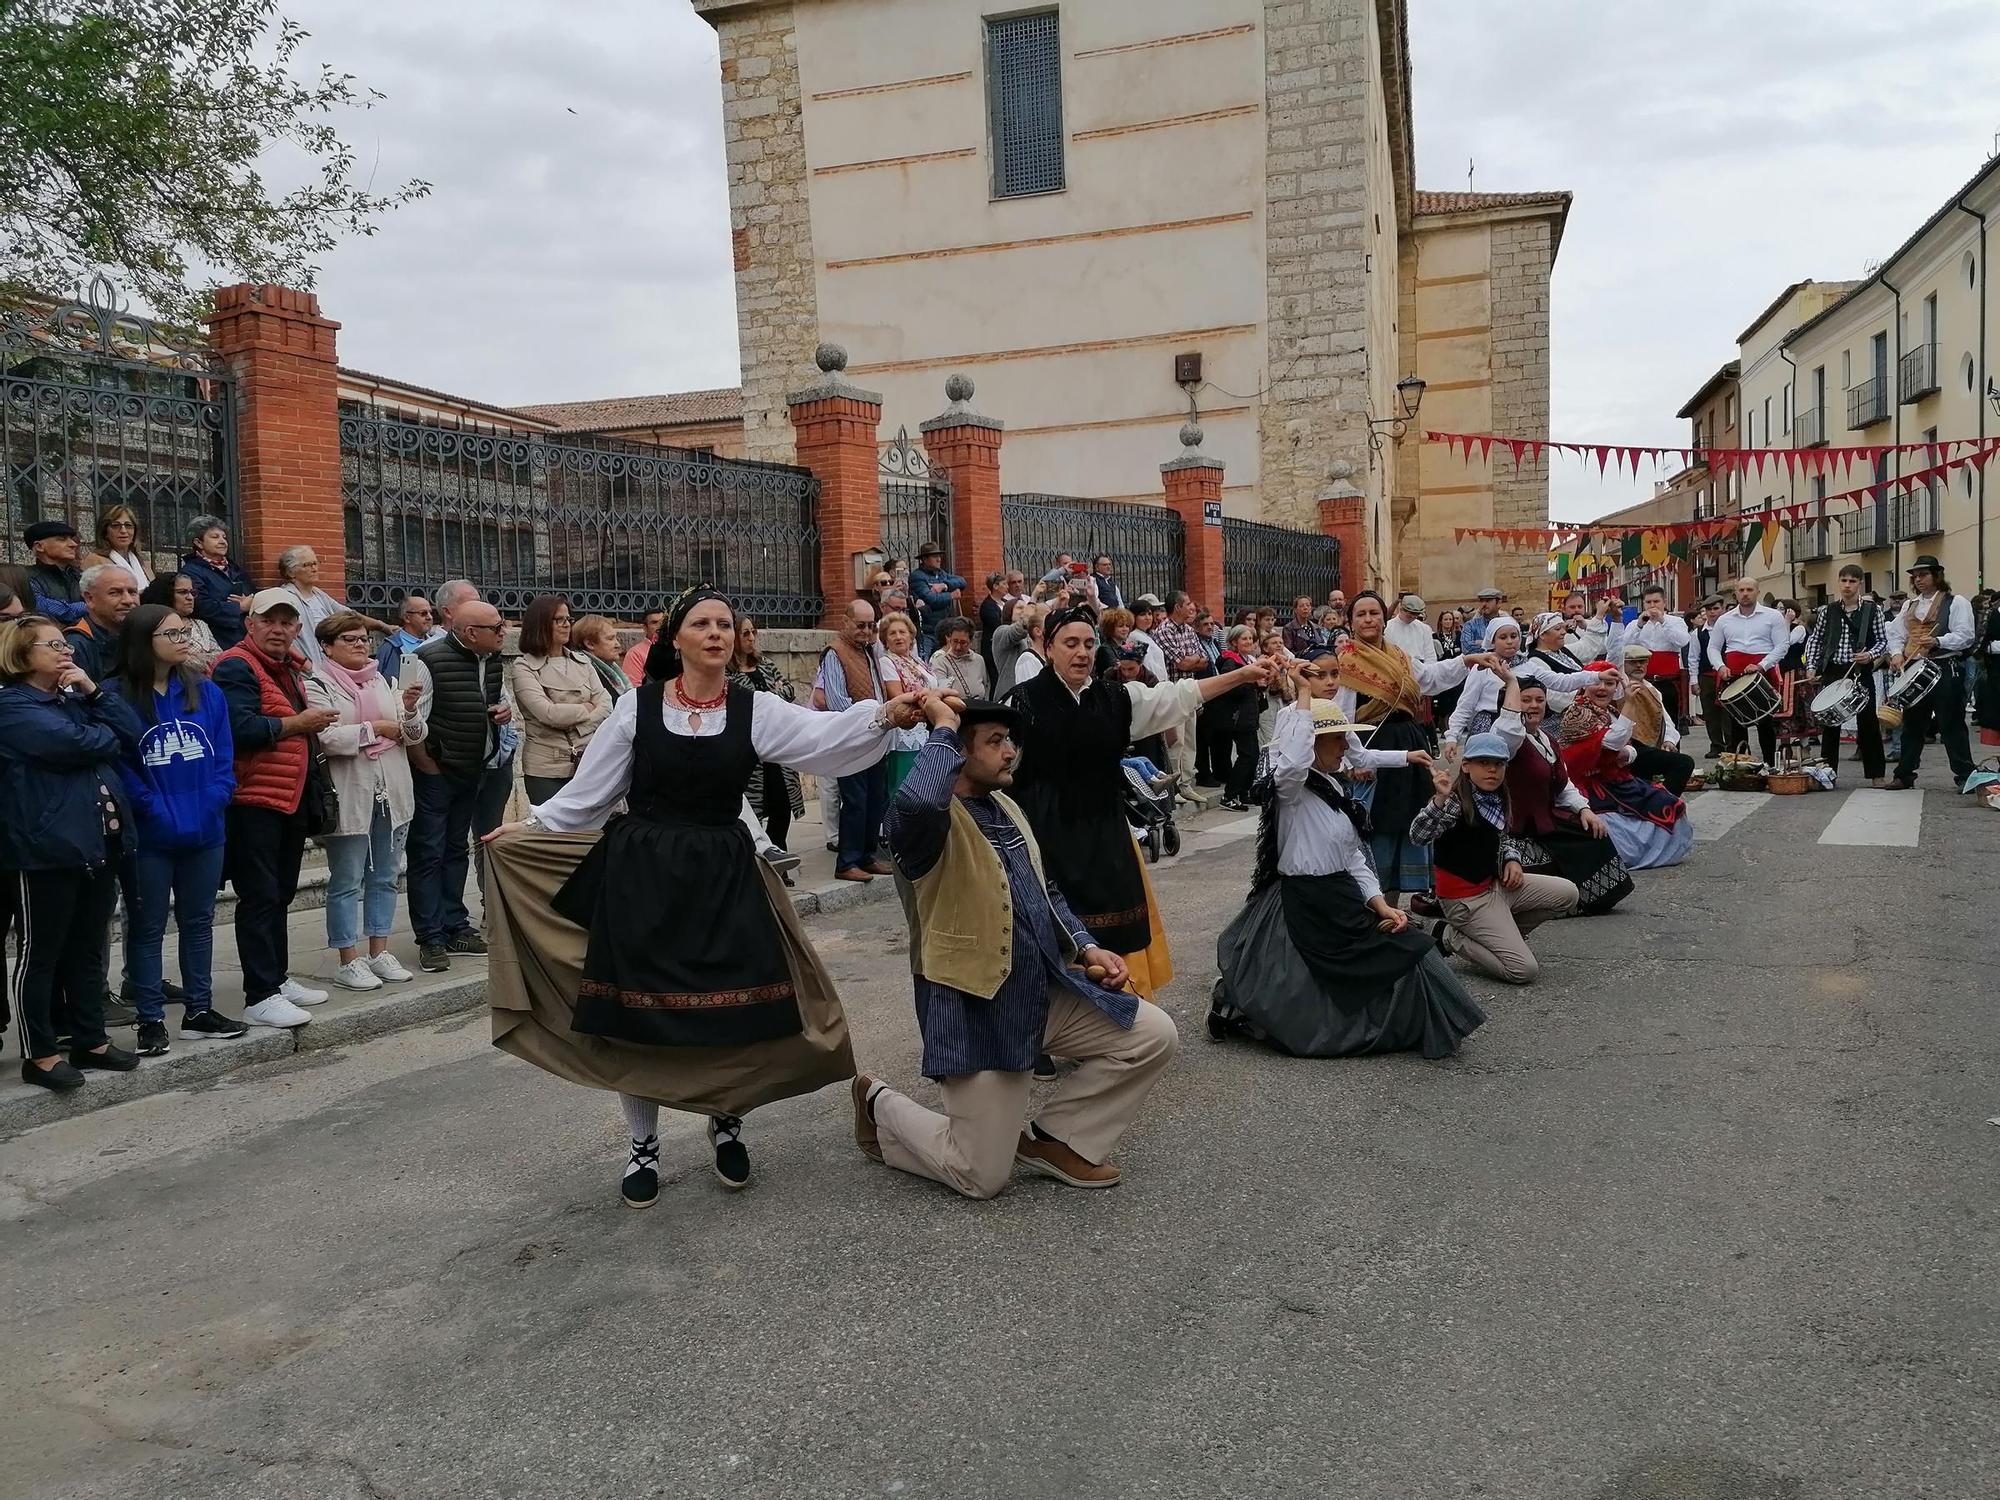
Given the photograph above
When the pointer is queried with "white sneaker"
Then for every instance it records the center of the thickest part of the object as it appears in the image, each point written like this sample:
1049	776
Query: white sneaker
387	966
301	994
357	975
275	1011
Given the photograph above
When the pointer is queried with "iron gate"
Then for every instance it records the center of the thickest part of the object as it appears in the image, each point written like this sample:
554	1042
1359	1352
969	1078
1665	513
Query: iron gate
916	501
100	407
1146	542
1273	565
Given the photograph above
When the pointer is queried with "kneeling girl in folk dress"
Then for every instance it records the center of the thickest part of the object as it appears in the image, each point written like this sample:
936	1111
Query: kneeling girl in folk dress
662	959
1318	963
1491	903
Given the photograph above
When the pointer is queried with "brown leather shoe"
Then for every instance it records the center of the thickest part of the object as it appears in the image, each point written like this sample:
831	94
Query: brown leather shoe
864	1124
879	867
1054	1159
859	872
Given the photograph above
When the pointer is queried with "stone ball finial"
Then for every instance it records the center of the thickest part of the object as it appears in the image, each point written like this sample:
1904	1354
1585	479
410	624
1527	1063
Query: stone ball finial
831	358
1340	469
958	388
1191	435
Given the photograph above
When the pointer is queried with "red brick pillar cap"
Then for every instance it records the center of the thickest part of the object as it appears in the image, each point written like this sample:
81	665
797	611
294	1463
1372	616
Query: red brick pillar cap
833	384
958	391
1193	458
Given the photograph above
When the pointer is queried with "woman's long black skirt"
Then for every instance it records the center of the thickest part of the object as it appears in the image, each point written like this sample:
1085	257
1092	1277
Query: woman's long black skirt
1305	968
1592	865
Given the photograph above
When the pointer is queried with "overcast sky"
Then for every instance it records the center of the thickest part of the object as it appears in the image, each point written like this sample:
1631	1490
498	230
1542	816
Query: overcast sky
576	243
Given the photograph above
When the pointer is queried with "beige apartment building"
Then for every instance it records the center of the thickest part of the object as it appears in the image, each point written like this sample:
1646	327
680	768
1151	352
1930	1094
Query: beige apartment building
1902	357
1061	199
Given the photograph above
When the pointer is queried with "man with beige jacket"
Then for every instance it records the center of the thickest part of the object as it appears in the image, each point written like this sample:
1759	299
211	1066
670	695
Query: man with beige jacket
1004	970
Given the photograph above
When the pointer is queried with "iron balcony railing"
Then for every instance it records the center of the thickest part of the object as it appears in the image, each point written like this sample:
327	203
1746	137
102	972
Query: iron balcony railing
1146	543
1868	403
1866	529
1273	565
1809	428
1918	373
1806	542
1916	515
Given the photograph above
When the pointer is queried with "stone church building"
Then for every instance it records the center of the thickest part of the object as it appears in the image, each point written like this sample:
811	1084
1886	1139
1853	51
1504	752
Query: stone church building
1061	200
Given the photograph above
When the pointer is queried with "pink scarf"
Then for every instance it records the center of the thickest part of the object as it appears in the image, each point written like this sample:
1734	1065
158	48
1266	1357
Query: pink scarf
372	700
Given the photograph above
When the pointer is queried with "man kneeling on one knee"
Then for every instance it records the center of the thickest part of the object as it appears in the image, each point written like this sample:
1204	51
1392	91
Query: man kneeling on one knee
1003	971
1490	903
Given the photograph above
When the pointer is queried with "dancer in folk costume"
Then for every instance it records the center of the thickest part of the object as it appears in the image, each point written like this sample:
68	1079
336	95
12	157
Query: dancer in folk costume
660	958
1553	822
1073	736
1381	688
1649	824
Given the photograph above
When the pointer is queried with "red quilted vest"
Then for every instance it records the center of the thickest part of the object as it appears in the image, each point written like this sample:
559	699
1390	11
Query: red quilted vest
274	777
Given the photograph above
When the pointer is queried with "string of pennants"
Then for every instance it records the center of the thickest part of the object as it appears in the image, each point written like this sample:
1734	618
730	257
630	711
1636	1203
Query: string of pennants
1479	446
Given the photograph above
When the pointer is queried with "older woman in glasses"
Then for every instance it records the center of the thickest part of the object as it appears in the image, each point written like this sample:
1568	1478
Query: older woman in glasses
64	827
365	748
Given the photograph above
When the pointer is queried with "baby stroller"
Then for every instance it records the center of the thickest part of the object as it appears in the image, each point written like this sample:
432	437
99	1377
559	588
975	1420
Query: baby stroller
1149	808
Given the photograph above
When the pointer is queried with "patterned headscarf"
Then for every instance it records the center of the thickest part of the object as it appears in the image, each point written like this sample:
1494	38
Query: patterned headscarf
663	661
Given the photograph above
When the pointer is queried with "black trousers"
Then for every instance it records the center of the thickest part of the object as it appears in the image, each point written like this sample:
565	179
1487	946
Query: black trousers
1673	693
1944	708
65	927
265	850
10	921
1738	734
1211	749
1713	716
1672	768
1243	767
776	810
1867	728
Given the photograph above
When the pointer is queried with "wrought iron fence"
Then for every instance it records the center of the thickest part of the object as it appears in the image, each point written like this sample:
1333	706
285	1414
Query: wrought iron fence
916	501
100	407
1145	542
614	526
1274	565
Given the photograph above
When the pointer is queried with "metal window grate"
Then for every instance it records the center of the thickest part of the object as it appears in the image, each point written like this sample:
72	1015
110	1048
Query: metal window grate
1024	100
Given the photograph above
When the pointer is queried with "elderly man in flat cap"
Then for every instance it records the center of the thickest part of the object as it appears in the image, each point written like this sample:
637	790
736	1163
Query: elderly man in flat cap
58	582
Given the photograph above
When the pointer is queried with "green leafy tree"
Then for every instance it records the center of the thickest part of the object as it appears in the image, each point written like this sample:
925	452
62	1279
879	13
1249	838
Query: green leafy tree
133	134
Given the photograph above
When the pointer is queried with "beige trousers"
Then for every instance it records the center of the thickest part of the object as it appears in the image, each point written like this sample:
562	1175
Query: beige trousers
1181	753
1490	931
970	1146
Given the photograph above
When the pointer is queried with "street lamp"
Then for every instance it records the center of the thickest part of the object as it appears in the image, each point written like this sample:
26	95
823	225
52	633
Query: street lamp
1410	398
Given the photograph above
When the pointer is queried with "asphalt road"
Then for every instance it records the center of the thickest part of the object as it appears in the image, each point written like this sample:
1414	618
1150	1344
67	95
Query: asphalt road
1707	1214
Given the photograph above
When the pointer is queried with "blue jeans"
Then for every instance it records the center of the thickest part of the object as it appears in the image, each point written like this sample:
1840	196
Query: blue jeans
864	802
189	878
361	881
440	854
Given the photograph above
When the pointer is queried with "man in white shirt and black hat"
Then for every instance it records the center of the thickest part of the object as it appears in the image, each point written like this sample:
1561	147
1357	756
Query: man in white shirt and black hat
1937	624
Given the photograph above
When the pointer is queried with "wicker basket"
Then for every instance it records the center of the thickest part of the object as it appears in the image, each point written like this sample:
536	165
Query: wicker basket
1788	783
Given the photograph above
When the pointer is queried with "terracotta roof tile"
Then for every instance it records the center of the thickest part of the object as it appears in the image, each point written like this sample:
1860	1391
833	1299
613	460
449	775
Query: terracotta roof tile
1472	203
624	413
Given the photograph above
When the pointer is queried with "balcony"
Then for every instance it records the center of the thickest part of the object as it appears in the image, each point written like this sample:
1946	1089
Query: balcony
1866	529
1809	428
1917	374
1806	542
1868	403
1915	515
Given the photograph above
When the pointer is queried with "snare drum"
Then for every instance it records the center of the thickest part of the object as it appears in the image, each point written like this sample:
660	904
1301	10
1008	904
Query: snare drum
1914	683
1750	698
1837	702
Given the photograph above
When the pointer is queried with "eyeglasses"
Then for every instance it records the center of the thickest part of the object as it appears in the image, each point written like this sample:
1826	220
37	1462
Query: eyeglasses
351	638
56	645
496	629
178	637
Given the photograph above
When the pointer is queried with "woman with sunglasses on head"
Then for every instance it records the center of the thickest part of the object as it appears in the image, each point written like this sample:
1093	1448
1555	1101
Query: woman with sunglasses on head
561	698
175	591
118	542
180	777
64	826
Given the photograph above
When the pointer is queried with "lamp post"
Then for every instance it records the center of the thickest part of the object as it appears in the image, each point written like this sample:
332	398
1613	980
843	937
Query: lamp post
1410	399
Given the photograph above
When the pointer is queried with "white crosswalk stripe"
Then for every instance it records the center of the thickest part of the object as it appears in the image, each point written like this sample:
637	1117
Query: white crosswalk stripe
1715	813
1888	819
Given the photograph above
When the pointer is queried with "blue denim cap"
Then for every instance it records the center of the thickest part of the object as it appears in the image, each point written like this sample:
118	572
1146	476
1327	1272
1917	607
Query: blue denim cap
1487	747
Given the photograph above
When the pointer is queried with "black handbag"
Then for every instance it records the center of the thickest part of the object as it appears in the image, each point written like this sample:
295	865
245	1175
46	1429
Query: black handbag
319	802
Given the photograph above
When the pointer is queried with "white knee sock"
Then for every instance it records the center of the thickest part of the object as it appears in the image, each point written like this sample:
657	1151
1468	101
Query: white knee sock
642	1117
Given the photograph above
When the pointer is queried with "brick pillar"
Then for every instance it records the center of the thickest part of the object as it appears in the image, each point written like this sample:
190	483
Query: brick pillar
1193	483
966	447
287	428
834	423
1342	514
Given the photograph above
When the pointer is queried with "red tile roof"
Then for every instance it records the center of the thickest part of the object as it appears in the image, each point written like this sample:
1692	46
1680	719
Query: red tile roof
1472	203
626	413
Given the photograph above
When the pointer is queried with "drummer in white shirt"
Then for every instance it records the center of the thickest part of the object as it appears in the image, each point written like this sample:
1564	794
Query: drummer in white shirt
1937	624
1752	637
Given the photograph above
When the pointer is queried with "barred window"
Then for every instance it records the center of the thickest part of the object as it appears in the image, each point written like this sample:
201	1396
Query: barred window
1024	103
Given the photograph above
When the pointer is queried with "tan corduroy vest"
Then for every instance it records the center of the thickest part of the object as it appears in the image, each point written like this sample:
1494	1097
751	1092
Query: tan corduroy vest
964	909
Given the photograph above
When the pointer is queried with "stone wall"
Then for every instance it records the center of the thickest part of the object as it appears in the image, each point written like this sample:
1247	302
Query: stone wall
764	141
1520	268
1322	96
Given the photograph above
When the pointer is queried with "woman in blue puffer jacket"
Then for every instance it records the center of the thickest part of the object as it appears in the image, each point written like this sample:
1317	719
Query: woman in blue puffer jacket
64	826
179	777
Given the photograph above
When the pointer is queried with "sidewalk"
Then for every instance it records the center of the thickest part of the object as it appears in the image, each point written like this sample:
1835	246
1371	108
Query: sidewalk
348	1016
